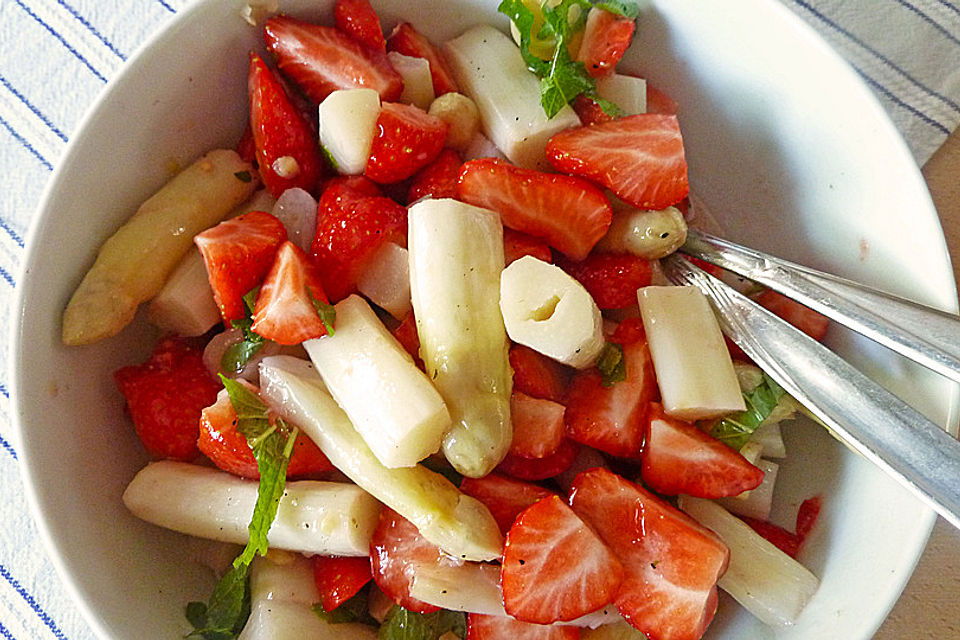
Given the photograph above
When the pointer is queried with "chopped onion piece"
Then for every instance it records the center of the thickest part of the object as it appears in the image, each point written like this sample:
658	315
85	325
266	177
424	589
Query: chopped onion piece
297	210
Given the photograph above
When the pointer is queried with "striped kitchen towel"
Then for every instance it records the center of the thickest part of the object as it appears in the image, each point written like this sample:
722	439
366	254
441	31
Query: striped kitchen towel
57	55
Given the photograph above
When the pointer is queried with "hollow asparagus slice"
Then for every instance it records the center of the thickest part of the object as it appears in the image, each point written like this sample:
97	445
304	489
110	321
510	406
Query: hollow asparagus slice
456	257
331	518
282	595
767	582
490	70
460	525
389	401
134	262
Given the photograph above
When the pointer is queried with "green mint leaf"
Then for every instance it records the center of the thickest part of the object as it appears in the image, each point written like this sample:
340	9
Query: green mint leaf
245	400
609	108
224	617
353	610
623	8
326	311
612	365
761	401
330	159
522	17
238	354
401	624
243	176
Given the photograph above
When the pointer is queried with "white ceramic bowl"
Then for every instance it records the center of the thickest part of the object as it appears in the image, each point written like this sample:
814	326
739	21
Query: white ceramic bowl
785	145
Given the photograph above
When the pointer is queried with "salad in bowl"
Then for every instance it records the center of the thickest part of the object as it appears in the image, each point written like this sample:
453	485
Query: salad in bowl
392	341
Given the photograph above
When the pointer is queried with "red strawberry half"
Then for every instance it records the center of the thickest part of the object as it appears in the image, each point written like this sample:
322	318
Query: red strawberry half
537	375
438	179
322	59
505	497
789	543
640	158
680	458
535	469
807	320
285	311
339	579
537	426
481	627
358	19
612	279
555	568
410	42
165	396
606	38
407	140
516	245
611	418
287	152
567	212
671	562
238	254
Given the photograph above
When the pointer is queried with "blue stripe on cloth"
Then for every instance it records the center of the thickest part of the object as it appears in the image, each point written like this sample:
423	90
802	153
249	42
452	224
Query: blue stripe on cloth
33	109
933	23
836	27
6	633
167	6
29	599
9	447
3	391
890	96
59	37
949	5
6	276
16	237
26	143
92	29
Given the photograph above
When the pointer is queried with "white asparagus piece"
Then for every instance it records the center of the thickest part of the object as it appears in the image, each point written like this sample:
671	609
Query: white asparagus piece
330	518
282	595
627	92
490	70
546	309
386	281
617	630
390	402
767	582
646	233
417	81
456	257
757	502
348	124
693	366
460	525
135	262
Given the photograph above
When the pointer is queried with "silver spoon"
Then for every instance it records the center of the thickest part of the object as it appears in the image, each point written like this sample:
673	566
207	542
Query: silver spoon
868	418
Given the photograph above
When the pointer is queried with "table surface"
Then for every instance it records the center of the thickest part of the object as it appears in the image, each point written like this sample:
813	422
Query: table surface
930	605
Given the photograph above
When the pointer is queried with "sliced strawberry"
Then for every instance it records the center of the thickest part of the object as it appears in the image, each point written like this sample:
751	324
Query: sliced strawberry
640	158
671	562
238	254
438	179
789	543
410	42
397	553
537	426
406	333
680	458
407	140
807	320
516	245
322	59
567	212
660	102
351	227
354	186
357	19
285	311
246	147
534	469
339	579
605	39
288	155
165	396
229	450
481	627
611	278
537	375
589	110
505	497
611	418
555	568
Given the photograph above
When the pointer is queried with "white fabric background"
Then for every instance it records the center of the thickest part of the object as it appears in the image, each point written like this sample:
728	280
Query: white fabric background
57	55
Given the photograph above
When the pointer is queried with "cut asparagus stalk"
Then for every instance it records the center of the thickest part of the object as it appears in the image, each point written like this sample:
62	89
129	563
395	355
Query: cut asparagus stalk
386	281
417	81
547	310
185	305
456	257
135	262
618	630
489	68
282	595
457	523
767	582
330	518
627	92
755	503
650	234
693	366
769	436
348	123
390	402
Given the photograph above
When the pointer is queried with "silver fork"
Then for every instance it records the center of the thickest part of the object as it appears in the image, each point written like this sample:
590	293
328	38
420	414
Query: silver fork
868	418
